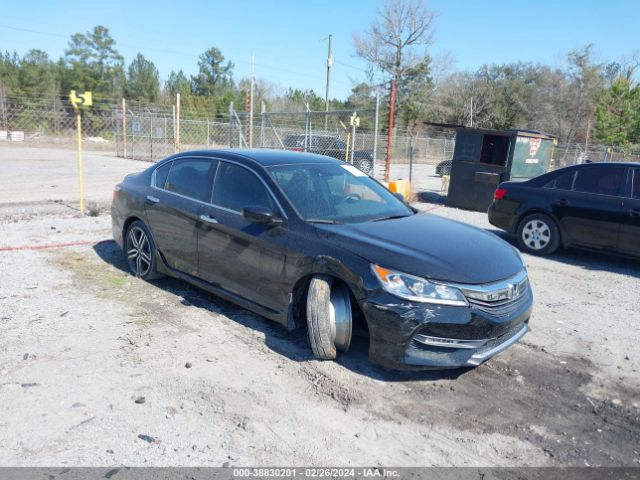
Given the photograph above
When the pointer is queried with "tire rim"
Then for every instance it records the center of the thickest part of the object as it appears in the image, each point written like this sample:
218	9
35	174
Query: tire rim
139	252
366	165
340	315
536	234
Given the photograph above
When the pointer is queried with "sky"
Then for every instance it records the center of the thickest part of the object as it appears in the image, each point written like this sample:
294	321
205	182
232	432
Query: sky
288	38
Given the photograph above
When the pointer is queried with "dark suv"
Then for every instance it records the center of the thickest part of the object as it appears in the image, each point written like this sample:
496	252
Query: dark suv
330	146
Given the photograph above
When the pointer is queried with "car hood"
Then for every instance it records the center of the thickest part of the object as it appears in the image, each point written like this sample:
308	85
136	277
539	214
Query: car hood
429	246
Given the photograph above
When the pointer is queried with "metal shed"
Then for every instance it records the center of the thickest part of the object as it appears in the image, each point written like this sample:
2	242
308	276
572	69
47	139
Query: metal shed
483	158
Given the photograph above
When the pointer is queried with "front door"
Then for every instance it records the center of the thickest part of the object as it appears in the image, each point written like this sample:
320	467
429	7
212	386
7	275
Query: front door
629	239
173	207
247	259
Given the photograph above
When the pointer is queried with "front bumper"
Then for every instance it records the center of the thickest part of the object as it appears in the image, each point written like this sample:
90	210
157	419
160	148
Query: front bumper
409	335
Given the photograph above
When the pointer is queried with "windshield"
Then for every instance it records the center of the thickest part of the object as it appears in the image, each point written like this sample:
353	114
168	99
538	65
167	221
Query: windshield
335	193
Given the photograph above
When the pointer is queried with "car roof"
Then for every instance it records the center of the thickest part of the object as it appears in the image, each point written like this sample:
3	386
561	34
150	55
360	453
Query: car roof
263	156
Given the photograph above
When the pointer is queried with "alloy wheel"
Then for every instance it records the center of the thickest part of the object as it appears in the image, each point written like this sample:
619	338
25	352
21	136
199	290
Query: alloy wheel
536	234
139	252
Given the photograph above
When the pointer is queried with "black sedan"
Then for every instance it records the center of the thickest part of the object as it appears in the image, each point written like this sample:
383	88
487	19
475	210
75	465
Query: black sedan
594	206
304	239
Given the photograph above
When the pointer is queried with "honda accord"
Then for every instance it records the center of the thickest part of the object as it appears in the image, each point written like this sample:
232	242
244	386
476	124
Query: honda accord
308	240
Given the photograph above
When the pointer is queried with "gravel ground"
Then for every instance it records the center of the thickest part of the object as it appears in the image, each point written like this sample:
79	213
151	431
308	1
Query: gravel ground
100	368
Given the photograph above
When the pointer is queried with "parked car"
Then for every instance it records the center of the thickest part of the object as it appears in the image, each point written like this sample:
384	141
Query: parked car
331	146
444	168
304	239
594	206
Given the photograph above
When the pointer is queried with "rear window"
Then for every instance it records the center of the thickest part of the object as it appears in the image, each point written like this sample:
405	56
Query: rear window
600	180
161	175
563	182
190	177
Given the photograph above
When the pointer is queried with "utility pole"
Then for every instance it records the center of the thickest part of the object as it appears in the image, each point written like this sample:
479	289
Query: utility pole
253	78
375	128
326	95
392	101
471	112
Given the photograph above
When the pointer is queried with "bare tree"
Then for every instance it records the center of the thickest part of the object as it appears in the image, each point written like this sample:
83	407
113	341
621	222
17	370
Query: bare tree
396	40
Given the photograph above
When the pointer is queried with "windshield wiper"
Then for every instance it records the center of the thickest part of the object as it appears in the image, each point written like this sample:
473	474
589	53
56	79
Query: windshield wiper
391	217
323	220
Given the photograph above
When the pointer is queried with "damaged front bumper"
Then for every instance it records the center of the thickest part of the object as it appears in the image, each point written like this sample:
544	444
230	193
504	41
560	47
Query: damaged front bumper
424	336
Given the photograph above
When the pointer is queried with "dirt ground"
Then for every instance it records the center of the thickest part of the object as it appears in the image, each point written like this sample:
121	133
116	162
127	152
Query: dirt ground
98	368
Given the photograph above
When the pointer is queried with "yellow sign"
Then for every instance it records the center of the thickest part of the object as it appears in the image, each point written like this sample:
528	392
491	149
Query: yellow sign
84	99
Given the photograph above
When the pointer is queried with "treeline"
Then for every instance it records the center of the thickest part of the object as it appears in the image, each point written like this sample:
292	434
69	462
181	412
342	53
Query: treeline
582	101
92	62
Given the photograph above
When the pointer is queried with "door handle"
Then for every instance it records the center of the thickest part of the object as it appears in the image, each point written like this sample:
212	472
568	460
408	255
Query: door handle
634	212
563	202
151	200
208	218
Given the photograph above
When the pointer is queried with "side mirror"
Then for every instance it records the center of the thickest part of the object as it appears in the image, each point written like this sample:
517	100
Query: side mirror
261	215
399	196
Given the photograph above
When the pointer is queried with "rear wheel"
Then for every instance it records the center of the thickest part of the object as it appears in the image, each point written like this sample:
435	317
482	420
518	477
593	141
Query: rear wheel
329	319
538	234
140	251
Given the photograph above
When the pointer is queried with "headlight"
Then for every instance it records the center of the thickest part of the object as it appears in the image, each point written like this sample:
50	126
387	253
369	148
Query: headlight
417	289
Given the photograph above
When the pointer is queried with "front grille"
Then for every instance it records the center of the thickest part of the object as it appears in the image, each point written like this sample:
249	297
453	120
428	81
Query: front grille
502	299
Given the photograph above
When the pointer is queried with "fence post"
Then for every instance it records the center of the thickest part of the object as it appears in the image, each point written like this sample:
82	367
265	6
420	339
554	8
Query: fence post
230	125
375	130
178	122
124	128
151	136
207	133
173	119
263	109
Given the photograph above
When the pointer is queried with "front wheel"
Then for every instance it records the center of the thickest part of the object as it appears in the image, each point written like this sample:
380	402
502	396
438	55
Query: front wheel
538	234
140	251
329	318
365	165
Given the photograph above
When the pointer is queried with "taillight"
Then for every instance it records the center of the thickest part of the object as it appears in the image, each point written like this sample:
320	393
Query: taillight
116	191
499	193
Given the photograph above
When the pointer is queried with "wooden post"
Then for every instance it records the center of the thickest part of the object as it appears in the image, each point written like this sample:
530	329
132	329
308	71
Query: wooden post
387	161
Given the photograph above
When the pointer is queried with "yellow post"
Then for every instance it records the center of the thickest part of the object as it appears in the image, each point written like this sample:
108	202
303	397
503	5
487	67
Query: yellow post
346	154
80	169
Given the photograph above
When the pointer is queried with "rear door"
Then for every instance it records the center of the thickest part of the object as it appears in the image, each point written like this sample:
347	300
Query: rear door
590	213
629	239
173	206
247	259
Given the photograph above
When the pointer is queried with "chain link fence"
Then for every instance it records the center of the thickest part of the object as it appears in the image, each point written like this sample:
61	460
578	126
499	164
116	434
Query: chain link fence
152	132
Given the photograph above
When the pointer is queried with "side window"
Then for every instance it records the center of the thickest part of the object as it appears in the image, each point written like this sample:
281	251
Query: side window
635	188
563	182
601	180
236	187
190	177
161	175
